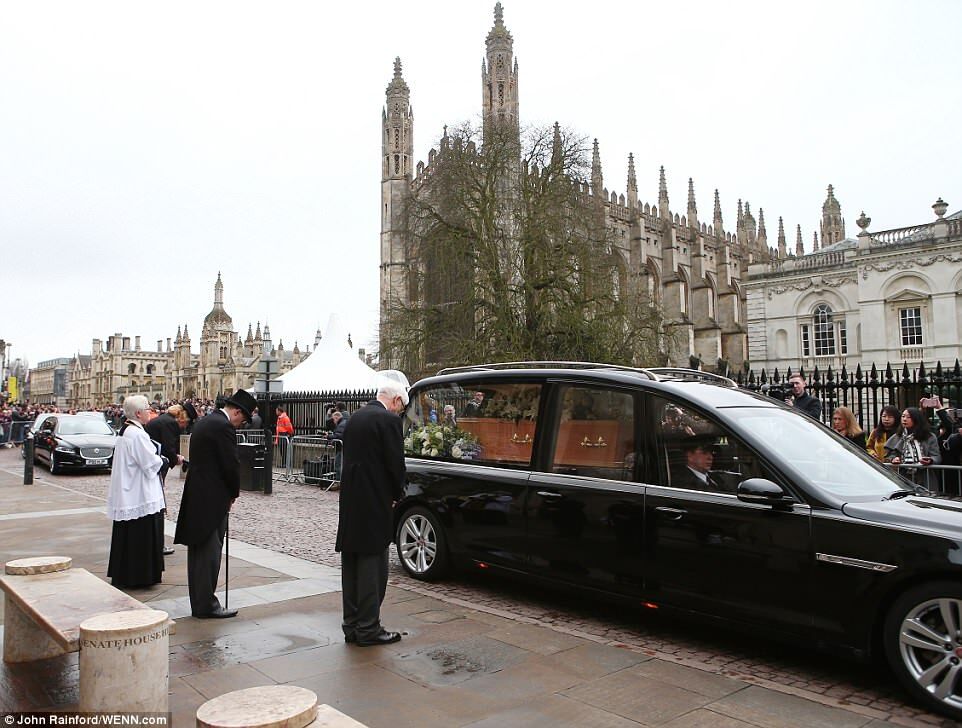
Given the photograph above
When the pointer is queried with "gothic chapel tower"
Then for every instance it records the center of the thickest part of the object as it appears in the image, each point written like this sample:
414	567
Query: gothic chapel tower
499	76
397	153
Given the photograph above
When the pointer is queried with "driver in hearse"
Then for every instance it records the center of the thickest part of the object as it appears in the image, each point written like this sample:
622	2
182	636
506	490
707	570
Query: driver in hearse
696	474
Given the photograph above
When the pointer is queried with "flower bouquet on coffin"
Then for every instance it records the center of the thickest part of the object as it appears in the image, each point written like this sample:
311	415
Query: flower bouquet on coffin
444	441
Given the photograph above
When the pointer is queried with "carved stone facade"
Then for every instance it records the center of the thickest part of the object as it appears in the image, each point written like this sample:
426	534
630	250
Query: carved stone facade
891	296
226	363
693	269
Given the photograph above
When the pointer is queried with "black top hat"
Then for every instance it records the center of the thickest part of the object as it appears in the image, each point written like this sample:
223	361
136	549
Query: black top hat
189	409
244	401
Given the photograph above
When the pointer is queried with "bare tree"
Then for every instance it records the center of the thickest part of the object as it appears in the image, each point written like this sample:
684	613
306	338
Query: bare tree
510	259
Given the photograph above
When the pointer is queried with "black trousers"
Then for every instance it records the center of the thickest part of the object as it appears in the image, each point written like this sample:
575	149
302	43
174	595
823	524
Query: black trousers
203	567
363	583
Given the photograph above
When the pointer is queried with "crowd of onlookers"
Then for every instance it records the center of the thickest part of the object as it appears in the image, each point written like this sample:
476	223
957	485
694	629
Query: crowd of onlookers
15	418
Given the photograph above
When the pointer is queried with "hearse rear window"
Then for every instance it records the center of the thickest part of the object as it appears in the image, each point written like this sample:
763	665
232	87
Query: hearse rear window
491	423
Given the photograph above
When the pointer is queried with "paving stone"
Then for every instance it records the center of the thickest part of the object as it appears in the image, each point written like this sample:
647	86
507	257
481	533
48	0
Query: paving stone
316	661
697	681
376	697
436	616
776	710
523	681
551	711
703	718
212	683
591	660
632	696
537	639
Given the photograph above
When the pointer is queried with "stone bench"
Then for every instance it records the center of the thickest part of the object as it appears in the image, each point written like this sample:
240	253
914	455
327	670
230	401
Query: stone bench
51	609
45	602
271	706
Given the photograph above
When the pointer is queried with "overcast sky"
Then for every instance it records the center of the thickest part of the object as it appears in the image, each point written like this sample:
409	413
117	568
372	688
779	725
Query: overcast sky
145	147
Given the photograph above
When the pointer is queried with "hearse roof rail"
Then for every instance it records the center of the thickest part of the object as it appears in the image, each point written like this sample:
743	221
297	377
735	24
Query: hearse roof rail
548	365
693	375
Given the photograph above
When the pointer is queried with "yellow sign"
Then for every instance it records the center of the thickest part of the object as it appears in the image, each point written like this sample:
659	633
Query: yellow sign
12	389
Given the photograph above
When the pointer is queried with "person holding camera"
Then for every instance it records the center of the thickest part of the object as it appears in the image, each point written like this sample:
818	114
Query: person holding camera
801	400
950	431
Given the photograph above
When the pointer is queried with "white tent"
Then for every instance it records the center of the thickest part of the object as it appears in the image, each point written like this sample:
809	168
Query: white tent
333	366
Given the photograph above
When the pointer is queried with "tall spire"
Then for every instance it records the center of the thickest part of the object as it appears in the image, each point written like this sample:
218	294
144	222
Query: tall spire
597	180
762	233
257	335
799	247
833	224
557	152
499	77
397	120
632	189
815	242
218	292
717	217
692	208
662	193
782	244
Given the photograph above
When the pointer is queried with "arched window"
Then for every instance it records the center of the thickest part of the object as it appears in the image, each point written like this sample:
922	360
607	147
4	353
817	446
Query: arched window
131	368
824	330
150	368
825	334
683	292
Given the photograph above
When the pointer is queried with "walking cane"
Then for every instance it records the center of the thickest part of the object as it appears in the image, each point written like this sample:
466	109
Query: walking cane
227	562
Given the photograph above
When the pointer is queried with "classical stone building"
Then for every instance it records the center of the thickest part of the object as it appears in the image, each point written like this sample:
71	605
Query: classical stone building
225	363
49	381
890	296
692	265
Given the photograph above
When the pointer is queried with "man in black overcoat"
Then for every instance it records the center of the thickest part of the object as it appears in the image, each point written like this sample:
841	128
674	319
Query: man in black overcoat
213	483
165	429
372	480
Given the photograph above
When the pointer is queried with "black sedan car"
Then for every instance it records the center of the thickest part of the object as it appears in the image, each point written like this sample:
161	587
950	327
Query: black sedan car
74	442
690	496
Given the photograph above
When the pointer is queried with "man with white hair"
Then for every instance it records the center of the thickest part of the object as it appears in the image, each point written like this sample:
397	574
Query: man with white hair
373	475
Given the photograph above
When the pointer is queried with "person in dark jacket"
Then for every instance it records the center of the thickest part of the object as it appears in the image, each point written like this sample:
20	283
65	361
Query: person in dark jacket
213	483
373	479
802	400
165	430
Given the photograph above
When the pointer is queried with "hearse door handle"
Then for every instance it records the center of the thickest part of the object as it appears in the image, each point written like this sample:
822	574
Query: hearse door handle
673	514
549	494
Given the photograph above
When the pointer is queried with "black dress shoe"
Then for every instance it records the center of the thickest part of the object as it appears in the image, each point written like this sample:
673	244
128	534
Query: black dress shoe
168	550
350	638
381	638
217	614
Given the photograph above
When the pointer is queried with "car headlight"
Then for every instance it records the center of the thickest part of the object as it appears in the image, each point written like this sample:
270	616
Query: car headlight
66	448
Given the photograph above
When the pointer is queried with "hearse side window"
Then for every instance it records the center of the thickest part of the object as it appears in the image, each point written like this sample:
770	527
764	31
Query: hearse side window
491	423
596	433
697	453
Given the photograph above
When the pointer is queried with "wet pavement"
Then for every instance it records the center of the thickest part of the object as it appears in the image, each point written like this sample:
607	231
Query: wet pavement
476	651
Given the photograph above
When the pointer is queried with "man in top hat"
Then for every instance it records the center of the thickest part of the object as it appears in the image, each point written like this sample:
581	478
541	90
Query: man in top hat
213	483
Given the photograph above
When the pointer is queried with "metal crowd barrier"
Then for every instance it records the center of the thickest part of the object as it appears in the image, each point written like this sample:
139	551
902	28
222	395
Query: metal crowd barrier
15	432
940	479
316	460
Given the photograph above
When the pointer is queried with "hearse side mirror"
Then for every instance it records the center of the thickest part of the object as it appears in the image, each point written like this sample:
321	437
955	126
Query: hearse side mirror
764	492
